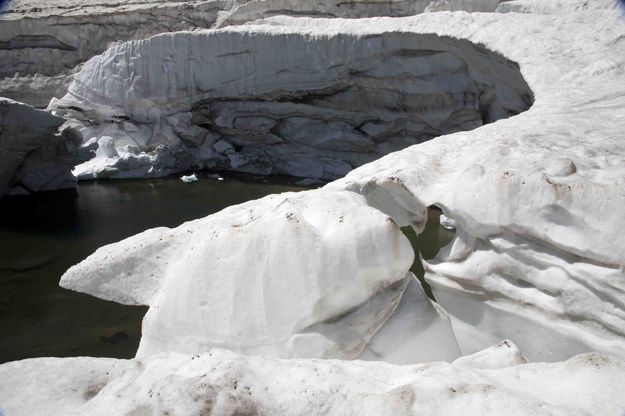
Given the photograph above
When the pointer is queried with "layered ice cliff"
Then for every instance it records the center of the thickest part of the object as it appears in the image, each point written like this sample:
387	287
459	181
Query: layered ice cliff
276	100
34	154
42	43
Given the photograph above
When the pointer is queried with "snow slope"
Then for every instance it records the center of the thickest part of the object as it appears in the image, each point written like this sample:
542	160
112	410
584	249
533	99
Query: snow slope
538	198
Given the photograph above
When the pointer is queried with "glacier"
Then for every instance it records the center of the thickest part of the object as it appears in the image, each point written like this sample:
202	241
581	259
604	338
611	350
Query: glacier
536	197
537	260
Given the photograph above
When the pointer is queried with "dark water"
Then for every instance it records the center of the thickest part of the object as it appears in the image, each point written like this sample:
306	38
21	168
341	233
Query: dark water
427	243
42	236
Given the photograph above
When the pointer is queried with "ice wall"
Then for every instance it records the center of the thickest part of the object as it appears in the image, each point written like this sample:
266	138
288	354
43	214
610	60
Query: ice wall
272	100
34	154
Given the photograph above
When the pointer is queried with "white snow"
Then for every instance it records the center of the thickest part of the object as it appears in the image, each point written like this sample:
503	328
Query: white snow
42	43
538	256
538	198
494	382
312	274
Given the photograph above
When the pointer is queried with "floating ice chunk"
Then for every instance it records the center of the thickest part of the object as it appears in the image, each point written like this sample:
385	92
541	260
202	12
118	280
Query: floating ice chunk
189	178
447	223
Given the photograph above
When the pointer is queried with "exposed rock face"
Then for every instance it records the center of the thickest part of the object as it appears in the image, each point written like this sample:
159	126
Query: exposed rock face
494	382
35	155
269	101
312	274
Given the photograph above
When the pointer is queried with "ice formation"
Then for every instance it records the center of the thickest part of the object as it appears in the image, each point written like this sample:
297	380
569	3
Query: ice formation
537	259
538	198
189	178
43	42
34	154
493	382
313	274
334	101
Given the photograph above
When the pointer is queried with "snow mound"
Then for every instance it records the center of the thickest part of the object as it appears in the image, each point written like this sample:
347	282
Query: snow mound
312	274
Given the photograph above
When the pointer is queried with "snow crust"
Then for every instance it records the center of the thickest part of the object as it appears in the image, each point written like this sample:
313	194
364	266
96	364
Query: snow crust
312	274
34	154
42	43
493	382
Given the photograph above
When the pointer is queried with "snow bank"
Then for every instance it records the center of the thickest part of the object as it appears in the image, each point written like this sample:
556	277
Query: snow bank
312	274
34	155
538	198
494	382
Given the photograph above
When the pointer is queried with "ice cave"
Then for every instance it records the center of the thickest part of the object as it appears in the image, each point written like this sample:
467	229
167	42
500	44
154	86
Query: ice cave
277	207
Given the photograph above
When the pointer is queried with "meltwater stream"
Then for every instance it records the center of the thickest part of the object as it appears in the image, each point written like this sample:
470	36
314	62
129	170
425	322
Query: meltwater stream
42	236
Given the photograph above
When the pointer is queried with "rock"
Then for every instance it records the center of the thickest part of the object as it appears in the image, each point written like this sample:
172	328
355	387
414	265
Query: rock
222	382
36	156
